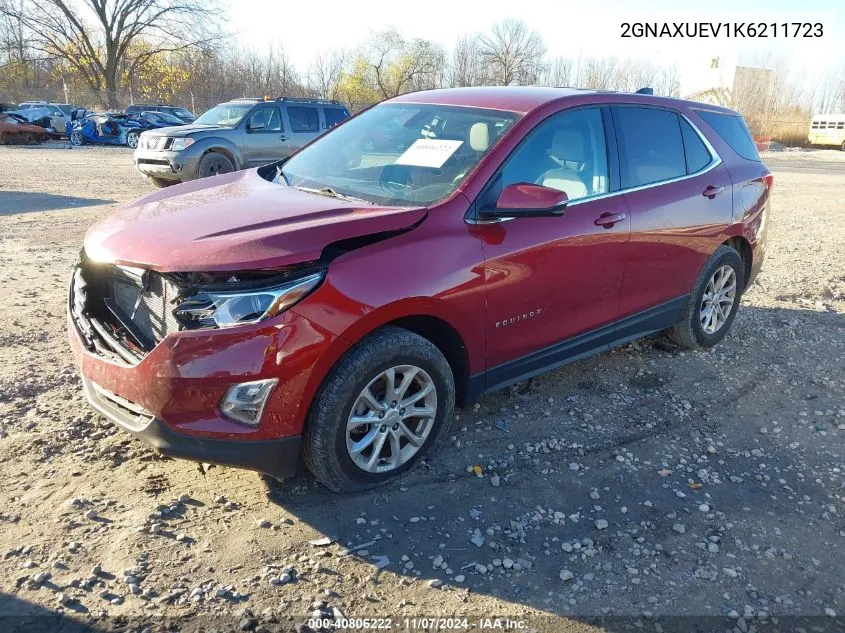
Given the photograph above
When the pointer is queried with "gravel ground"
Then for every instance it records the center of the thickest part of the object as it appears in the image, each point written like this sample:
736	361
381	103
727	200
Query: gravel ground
634	487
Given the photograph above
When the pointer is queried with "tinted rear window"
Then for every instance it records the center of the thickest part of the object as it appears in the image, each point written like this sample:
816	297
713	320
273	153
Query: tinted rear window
334	116
734	132
303	119
650	145
698	156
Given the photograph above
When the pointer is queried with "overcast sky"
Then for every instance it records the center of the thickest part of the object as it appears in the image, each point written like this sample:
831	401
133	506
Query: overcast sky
304	28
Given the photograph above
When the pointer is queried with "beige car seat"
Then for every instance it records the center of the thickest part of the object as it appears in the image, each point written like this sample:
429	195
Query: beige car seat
569	151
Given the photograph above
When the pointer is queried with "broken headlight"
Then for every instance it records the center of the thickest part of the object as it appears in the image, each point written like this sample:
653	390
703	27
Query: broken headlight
227	308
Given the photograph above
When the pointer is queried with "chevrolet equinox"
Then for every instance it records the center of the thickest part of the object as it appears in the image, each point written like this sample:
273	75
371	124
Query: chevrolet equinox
337	305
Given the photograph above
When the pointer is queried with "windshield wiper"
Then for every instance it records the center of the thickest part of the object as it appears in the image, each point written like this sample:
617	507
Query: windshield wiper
331	193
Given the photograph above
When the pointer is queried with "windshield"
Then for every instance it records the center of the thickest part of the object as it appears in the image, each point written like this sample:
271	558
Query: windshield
399	154
224	115
164	117
181	112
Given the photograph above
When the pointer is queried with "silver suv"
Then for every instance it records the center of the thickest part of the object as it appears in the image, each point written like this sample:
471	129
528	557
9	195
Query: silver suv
234	135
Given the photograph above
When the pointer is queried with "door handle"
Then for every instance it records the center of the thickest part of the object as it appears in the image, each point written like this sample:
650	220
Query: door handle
608	219
711	191
283	137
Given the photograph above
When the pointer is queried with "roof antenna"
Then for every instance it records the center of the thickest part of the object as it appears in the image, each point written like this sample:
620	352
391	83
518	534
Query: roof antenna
645	91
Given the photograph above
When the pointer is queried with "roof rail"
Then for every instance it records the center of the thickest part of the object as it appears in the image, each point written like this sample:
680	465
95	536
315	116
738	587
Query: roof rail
308	100
645	91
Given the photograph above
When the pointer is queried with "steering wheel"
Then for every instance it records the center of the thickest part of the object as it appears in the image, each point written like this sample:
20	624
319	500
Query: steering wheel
388	180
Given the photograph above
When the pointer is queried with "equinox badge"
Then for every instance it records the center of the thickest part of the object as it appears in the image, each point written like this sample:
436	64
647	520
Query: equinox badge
519	317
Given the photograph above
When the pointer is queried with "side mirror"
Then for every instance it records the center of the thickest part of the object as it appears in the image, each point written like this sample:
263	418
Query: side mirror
523	199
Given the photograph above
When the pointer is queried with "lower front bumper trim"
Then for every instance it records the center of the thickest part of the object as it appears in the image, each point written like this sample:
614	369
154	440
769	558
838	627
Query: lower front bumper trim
275	457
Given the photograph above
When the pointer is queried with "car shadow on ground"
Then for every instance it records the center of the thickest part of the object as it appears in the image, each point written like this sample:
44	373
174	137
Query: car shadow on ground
22	616
14	202
643	472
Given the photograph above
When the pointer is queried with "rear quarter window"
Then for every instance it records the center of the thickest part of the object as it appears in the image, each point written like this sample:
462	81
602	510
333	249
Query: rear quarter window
734	132
334	116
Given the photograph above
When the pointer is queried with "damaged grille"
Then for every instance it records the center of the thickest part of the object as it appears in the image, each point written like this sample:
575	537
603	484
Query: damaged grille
120	311
144	301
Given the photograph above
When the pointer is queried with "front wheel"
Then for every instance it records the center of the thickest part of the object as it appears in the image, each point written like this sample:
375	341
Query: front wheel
75	138
714	301
383	406
132	139
214	164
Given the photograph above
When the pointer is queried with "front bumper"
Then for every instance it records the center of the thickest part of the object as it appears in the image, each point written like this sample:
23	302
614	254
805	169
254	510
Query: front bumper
278	458
177	166
171	397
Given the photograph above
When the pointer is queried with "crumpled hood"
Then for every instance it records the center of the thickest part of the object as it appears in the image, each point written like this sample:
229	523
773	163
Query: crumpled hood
237	221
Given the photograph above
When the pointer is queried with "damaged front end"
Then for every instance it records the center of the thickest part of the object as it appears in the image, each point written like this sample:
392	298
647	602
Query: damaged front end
123	312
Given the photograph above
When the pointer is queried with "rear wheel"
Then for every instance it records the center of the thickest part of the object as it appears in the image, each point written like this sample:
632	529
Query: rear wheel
714	301
383	406
842	147
214	164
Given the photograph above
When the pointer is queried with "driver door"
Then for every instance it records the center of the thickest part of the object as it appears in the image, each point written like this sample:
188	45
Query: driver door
264	137
551	280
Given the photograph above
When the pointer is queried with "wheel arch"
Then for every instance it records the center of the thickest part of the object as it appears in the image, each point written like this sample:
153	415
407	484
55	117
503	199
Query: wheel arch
426	321
742	246
220	149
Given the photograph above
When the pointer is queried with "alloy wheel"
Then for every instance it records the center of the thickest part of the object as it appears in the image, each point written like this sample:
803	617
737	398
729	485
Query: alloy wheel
391	419
718	300
132	140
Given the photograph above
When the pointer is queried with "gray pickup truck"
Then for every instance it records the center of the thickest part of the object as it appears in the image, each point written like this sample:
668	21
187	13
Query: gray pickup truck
238	134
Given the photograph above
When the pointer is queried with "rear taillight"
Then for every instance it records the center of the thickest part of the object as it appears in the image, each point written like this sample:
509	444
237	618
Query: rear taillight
769	179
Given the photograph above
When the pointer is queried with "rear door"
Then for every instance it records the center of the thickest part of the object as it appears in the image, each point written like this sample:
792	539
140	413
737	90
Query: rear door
264	136
679	197
304	125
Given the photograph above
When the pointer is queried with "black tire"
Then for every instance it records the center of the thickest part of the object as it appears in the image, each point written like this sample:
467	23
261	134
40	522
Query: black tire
842	147
324	439
132	139
689	332
214	164
161	183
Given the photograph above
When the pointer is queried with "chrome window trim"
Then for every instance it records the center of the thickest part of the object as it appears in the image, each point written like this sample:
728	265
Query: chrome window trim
715	161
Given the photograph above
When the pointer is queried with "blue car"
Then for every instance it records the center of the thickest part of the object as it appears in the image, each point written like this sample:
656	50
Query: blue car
105	129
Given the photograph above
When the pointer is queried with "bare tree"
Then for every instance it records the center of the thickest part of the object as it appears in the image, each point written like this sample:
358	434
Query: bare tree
561	71
466	68
400	66
95	37
600	73
512	53
324	74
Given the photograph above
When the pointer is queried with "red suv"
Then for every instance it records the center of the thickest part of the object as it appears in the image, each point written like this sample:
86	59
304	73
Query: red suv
337	305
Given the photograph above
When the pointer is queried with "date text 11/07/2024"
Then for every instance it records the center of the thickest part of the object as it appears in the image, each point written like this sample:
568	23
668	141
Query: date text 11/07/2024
418	624
730	30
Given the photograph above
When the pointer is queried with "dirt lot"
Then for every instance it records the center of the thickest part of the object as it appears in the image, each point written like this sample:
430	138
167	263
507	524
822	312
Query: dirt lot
640	485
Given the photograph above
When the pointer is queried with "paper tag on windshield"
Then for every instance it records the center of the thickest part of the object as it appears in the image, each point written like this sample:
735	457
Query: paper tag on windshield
426	152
